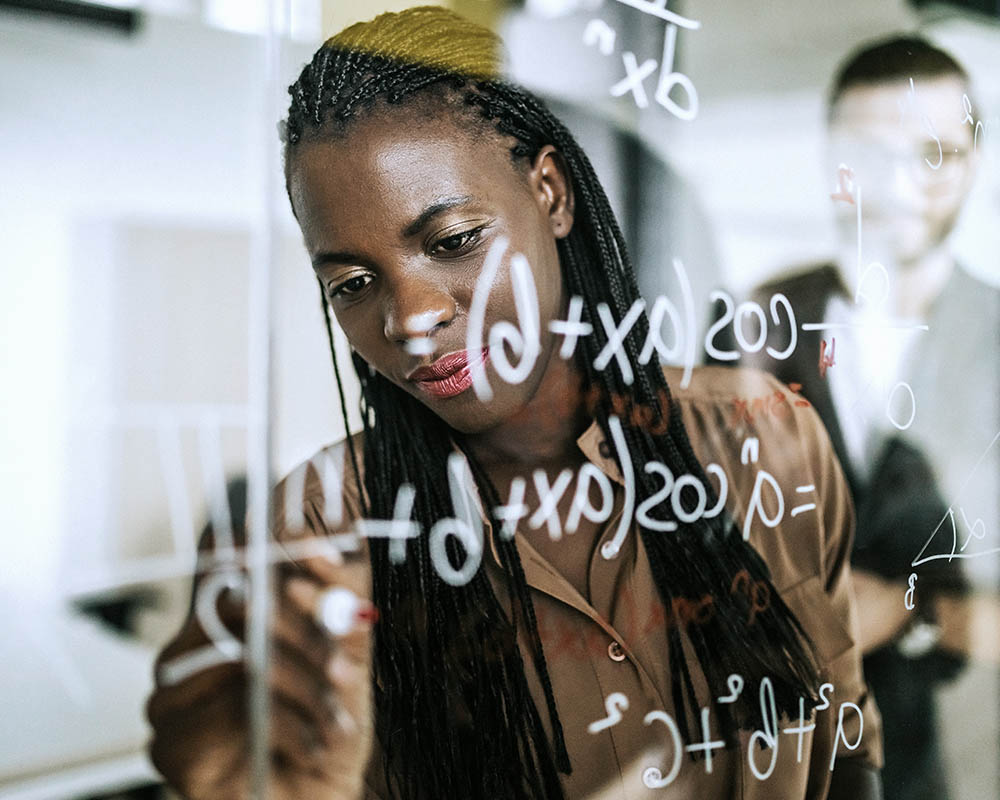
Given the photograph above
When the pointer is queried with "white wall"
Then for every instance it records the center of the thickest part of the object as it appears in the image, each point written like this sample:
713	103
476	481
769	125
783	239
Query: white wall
134	182
132	200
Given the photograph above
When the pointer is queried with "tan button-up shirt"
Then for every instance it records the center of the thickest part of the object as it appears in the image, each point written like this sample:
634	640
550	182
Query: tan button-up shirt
615	641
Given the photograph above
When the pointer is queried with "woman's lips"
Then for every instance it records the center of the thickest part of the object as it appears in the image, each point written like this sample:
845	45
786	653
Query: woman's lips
449	376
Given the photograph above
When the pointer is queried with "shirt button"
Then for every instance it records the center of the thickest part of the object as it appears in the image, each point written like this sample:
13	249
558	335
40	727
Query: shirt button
615	652
604	448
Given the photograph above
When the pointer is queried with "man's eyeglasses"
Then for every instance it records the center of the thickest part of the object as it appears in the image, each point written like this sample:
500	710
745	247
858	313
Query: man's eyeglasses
935	164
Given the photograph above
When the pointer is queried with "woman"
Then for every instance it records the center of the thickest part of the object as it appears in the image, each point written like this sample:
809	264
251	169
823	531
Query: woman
454	227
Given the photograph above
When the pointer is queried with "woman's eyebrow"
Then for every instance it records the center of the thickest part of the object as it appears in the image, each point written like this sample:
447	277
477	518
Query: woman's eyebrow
338	257
445	204
439	207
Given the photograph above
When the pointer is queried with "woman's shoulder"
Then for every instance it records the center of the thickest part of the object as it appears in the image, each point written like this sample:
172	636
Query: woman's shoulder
712	383
787	490
745	400
324	487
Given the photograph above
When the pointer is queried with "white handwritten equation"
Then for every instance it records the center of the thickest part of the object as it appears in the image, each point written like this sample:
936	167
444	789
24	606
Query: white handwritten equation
762	739
598	33
973	529
224	566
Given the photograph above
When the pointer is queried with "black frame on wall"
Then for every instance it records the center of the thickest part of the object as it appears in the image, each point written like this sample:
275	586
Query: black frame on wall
123	20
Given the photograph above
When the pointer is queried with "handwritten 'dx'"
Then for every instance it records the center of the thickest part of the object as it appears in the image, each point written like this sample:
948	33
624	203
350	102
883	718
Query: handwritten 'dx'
599	33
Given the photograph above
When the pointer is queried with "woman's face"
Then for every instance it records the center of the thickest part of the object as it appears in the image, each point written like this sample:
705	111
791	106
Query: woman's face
398	217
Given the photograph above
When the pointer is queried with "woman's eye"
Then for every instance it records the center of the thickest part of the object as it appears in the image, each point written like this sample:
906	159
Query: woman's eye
457	242
351	286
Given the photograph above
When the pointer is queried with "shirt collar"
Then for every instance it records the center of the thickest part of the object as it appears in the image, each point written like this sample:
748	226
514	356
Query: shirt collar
598	451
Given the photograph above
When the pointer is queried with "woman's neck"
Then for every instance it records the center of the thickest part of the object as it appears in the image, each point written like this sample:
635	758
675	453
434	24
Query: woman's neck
545	431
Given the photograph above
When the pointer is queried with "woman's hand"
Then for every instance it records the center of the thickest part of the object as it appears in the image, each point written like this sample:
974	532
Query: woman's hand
321	711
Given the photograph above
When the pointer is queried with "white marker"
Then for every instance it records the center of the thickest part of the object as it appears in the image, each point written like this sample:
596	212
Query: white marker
337	610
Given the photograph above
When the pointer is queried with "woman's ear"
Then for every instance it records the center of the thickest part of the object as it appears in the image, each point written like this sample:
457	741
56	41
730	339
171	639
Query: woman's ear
553	189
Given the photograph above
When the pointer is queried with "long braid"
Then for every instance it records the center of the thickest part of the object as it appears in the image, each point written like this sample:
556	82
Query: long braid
450	673
775	644
343	400
449	655
511	559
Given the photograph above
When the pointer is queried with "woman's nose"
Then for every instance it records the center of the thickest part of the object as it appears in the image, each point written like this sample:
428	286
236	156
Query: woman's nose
416	311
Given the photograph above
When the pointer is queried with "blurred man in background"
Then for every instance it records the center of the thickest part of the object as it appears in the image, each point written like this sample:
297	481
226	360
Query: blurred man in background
892	359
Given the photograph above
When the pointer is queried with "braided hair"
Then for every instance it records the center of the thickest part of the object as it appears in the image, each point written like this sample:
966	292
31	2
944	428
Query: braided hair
453	711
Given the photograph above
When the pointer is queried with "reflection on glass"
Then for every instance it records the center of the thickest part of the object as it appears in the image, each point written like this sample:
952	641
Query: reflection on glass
564	598
891	355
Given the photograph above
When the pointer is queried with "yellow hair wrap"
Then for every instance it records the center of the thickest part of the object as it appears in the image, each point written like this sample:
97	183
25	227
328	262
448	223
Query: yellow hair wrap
429	36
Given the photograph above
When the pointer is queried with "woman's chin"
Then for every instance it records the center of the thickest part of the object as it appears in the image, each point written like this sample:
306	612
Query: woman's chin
471	420
463	412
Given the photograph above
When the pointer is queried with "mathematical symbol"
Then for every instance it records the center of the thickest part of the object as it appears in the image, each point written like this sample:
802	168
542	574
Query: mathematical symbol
929	127
756	504
826	361
295	520
741	412
633	79
801	401
417	327
908	600
616	338
662	307
977	525
549	496
599	32
514	511
213	472
967	104
707	743
568	643
845	185
571	328
398	529
735	685
420	346
658	8
614	704
329	547
809	487
669	79
801	729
